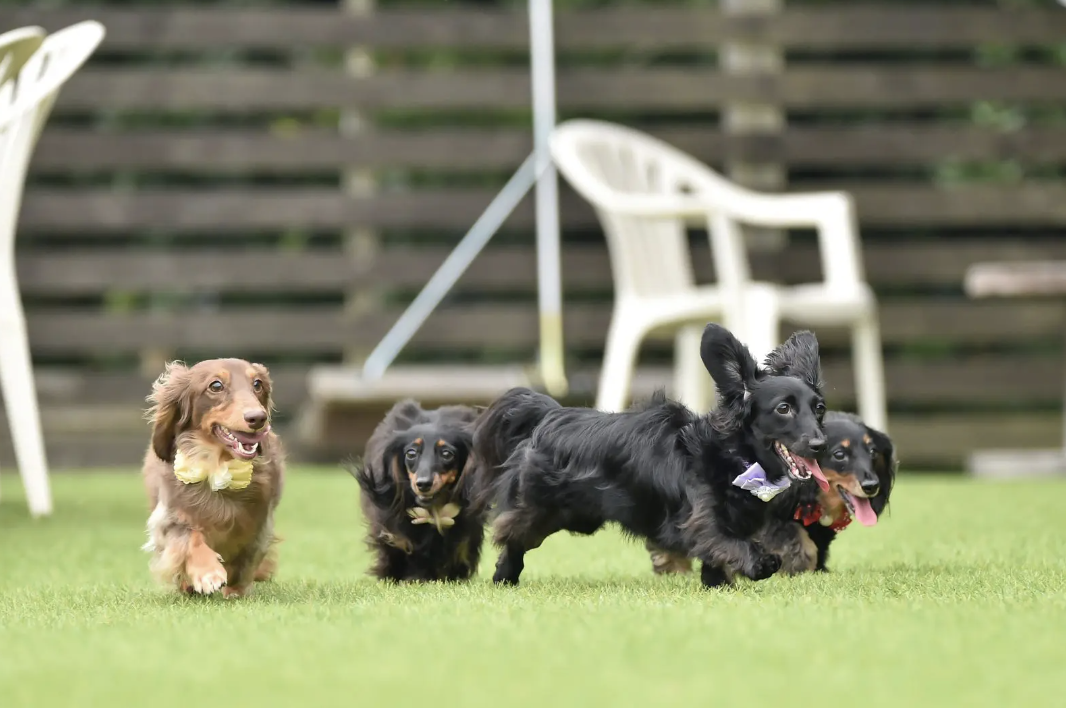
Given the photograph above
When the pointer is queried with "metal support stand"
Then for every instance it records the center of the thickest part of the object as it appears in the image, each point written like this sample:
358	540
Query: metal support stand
537	169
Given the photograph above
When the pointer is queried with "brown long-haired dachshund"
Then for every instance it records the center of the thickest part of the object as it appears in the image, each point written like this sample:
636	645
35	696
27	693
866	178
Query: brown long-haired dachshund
213	473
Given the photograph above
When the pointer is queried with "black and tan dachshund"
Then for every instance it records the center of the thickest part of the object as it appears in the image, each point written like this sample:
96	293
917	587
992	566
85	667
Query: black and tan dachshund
860	467
421	524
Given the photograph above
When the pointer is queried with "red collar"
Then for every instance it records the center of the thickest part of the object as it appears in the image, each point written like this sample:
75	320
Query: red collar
808	514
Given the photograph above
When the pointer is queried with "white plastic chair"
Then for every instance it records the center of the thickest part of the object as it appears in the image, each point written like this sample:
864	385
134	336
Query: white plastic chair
25	103
16	47
645	192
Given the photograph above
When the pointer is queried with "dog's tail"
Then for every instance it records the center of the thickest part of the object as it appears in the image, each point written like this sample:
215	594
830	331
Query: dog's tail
500	429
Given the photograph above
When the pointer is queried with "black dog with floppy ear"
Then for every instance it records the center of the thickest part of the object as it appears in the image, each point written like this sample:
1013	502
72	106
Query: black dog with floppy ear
658	470
735	373
799	357
422	524
885	465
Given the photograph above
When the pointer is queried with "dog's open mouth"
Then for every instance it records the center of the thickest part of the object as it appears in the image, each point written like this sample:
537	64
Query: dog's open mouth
801	468
859	507
242	444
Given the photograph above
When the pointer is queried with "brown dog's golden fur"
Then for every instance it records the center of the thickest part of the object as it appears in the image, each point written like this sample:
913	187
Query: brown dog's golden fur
203	539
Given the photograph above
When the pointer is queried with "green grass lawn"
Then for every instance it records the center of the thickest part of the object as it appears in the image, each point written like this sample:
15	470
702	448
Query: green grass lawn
957	598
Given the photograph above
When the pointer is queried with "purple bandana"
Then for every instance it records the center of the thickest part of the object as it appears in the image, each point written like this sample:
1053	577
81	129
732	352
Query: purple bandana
754	480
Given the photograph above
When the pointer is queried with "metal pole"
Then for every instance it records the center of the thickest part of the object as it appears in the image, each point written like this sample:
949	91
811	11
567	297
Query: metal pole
452	269
549	277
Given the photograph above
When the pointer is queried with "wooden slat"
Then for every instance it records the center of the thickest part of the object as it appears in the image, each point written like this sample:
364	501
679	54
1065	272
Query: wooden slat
947	440
986	380
73	452
476	327
1037	278
64	150
306	90
836	26
221	210
65	387
873	86
586	268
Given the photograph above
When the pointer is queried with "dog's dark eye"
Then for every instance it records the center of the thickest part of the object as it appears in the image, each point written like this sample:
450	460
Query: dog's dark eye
820	409
257	385
839	455
783	408
447	455
411	454
216	386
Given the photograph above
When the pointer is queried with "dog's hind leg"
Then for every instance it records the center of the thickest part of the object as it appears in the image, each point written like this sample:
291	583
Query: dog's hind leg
745	557
518	532
789	540
713	575
509	565
664	562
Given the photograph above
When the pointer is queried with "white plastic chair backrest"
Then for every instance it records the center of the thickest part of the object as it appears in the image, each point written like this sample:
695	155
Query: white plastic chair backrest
16	47
25	102
606	162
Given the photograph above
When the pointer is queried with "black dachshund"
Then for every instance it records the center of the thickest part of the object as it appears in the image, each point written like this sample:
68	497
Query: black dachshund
659	470
860	467
421	525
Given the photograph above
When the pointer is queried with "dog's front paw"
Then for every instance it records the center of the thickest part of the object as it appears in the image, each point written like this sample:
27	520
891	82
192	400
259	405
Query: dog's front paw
765	566
207	580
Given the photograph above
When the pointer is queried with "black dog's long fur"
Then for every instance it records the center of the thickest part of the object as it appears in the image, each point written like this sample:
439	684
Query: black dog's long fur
858	457
402	549
659	470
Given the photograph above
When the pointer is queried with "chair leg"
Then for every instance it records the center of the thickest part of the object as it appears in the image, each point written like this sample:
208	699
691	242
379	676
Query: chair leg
692	385
20	400
762	322
619	360
869	368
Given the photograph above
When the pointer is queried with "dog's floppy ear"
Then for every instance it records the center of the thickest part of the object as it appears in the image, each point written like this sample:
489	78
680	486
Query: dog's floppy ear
729	362
171	408
885	464
402	416
798	357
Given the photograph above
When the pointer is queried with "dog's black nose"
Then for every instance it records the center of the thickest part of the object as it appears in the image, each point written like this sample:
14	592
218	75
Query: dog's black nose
871	487
256	418
424	485
817	445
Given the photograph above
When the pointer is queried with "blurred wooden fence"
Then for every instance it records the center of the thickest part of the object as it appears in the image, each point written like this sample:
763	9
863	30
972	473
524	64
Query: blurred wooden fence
192	195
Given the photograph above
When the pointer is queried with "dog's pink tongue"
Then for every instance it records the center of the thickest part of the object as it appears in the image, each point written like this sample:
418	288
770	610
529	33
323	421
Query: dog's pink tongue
864	512
816	472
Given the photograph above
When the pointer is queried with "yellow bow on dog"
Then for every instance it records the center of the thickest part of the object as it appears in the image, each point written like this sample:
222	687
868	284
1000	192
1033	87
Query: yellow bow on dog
442	518
235	474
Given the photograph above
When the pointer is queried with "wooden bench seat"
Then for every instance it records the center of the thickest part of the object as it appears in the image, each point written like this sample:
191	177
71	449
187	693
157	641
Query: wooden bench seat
342	407
1018	279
